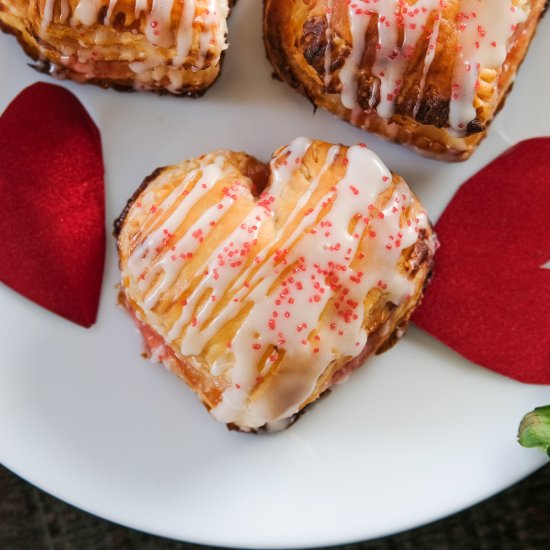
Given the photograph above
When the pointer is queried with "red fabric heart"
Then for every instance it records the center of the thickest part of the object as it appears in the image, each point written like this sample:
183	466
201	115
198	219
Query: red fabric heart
52	225
490	297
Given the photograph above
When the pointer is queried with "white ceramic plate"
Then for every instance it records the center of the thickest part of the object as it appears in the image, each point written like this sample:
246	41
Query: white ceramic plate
417	434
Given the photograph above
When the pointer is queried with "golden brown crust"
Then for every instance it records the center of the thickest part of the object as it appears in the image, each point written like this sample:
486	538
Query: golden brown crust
296	41
123	57
383	320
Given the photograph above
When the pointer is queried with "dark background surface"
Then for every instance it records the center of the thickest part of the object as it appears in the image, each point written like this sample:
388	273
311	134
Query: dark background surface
518	518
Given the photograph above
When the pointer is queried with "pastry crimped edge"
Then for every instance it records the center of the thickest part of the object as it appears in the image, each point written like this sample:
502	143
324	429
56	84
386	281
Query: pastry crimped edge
387	327
197	82
281	41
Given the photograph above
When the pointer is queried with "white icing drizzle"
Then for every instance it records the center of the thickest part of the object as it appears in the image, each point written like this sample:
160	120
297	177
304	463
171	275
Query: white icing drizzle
185	32
48	14
141	257
485	28
349	72
391	61
158	26
108	15
141	6
430	56
86	13
290	288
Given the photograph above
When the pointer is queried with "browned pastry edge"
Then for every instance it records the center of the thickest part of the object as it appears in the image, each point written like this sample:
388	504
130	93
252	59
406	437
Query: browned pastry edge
119	222
45	67
64	73
278	57
377	343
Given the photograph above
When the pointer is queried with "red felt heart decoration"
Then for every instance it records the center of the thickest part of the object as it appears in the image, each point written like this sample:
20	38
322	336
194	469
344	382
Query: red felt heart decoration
490	296
53	206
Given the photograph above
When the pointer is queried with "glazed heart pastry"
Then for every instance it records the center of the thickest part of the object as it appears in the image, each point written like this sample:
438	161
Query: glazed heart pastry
261	286
167	46
429	74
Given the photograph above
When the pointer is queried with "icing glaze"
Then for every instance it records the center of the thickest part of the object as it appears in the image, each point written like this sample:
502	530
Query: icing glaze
288	286
48	14
86	13
184	38
485	28
110	8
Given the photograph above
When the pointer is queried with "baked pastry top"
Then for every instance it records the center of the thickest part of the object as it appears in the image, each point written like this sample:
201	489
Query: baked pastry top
172	46
262	286
430	74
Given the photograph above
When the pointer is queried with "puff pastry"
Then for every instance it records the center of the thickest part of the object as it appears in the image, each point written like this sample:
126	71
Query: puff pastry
430	74
172	46
263	286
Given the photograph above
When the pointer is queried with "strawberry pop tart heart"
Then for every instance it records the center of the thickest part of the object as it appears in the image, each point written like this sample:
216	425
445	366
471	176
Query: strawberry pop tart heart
489	299
51	182
262	301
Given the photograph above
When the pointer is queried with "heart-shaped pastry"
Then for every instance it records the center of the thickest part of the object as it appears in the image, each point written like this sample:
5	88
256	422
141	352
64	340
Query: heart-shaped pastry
166	46
53	205
489	300
430	74
263	286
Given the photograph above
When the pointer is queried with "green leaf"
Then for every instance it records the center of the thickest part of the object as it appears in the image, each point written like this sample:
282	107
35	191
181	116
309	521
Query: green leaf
534	430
